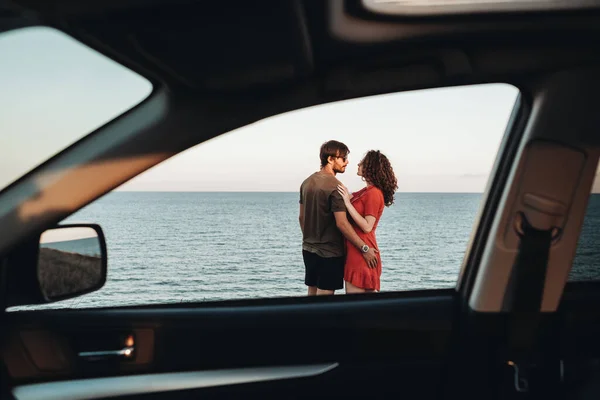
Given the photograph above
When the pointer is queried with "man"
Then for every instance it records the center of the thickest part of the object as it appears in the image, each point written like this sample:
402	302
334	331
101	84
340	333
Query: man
323	221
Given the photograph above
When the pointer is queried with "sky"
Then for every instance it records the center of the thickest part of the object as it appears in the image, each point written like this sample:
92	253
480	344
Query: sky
55	91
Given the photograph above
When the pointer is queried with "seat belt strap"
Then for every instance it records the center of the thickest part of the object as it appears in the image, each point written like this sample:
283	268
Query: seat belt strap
527	283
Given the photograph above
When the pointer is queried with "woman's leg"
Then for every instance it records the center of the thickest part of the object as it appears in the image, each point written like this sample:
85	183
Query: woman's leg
322	292
350	289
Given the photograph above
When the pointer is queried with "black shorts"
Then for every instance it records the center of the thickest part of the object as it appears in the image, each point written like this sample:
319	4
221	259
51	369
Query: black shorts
324	273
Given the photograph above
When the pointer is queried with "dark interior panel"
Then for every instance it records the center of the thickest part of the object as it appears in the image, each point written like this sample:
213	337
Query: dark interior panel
370	336
574	334
352	380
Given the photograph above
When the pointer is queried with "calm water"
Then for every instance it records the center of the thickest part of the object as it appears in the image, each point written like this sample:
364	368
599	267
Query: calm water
586	265
179	247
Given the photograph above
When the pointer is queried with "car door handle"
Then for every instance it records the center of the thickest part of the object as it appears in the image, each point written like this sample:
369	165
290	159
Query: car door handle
125	352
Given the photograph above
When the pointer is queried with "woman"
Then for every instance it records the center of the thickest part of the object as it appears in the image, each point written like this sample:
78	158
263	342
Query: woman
365	208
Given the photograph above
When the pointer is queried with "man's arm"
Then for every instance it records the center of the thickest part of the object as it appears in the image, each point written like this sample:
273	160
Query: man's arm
301	213
301	218
341	221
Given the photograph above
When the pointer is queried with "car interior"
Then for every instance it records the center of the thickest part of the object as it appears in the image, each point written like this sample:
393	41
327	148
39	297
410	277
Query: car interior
514	326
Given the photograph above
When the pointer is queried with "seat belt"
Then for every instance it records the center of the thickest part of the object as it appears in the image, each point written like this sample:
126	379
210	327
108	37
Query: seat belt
527	281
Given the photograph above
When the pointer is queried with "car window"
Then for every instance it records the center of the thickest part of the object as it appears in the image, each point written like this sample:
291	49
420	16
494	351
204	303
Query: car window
586	265
220	221
54	91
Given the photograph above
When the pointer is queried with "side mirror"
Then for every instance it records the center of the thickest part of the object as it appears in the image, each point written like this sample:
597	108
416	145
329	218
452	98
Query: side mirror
71	261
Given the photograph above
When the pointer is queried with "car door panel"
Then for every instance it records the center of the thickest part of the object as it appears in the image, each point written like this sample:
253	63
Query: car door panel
354	343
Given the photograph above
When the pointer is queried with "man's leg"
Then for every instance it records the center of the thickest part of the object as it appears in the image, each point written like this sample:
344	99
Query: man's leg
331	277
311	276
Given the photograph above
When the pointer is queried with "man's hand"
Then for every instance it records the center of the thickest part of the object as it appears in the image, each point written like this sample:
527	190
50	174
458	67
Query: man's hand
348	231
371	257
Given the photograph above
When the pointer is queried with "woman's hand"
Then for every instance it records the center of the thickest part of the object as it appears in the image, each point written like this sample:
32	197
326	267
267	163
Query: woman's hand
343	190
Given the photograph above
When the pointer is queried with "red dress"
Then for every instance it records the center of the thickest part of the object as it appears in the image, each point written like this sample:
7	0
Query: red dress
367	201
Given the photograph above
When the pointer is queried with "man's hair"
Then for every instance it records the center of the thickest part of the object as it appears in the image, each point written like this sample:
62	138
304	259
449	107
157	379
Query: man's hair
333	148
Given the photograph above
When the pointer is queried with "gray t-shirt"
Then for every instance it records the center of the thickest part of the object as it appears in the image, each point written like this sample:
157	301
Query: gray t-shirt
319	195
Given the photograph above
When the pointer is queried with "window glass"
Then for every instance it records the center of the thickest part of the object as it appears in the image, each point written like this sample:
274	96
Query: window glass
54	91
586	265
220	221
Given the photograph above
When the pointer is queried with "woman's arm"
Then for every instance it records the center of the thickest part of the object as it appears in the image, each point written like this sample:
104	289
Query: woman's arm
364	223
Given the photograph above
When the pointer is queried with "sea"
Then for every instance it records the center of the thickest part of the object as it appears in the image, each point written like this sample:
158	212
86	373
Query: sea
179	247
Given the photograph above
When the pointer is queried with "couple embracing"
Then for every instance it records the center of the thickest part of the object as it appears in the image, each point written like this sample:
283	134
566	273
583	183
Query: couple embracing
338	227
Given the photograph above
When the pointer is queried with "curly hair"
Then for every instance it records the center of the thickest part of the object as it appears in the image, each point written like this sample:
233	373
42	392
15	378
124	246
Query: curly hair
378	171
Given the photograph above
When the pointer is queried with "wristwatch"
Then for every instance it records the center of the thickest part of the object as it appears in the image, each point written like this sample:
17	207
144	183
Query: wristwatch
364	248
